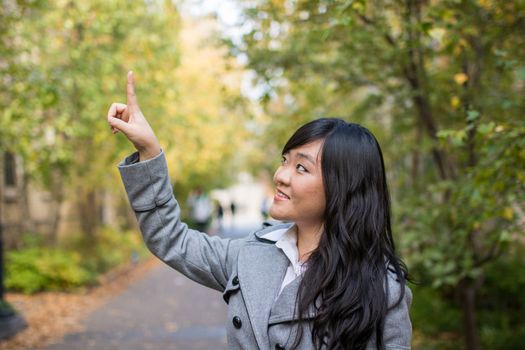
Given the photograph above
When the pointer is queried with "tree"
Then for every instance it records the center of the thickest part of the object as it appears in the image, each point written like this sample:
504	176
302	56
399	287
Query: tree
66	61
441	84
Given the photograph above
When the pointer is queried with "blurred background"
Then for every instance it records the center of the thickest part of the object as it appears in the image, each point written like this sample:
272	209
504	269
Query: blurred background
224	84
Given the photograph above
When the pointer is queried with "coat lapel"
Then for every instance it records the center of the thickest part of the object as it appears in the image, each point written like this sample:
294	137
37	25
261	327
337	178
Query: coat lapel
285	309
261	269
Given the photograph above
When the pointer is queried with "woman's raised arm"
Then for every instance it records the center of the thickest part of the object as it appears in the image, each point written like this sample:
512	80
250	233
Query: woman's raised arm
206	260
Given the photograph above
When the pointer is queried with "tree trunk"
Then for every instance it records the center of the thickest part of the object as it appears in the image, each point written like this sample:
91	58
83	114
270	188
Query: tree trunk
88	209
415	73
27	224
467	293
57	193
416	156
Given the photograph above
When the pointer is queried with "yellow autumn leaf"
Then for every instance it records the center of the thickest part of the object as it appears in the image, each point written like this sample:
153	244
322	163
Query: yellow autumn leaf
508	213
437	34
358	6
486	4
455	102
460	78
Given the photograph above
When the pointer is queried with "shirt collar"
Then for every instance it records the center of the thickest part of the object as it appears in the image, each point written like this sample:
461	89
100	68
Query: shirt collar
286	240
288	244
275	235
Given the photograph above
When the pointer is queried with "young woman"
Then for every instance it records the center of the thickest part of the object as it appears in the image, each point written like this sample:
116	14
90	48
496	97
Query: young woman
327	279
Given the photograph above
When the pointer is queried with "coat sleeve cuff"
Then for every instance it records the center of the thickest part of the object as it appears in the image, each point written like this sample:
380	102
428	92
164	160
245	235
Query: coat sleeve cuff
147	183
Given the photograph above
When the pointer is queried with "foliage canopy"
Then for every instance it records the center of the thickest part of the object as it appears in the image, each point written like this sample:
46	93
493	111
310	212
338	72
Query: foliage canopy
441	84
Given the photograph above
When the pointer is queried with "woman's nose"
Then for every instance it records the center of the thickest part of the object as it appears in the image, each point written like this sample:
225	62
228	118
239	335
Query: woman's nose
281	176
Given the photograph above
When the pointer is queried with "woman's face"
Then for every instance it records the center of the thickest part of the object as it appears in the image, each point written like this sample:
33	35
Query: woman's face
299	195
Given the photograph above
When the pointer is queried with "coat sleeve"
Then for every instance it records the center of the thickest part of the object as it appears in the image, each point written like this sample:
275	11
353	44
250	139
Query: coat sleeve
397	331
204	259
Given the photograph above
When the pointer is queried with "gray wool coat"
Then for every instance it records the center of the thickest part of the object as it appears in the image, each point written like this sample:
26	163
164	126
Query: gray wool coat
248	271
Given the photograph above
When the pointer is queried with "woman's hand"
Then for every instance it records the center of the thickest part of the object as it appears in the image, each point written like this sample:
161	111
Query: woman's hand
131	122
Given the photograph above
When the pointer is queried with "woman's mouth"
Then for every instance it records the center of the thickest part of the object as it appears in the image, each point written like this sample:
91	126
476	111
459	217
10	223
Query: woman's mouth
279	195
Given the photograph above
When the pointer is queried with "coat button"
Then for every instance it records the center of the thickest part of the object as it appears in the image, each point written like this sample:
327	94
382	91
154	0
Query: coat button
237	323
235	281
279	346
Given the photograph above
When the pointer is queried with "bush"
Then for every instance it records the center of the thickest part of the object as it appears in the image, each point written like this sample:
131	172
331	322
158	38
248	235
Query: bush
437	317
74	262
42	268
502	301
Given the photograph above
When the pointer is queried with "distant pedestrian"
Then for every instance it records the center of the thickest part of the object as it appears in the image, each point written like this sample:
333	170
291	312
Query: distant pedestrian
219	210
233	208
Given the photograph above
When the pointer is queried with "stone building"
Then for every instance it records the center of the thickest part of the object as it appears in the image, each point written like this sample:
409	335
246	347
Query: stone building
27	208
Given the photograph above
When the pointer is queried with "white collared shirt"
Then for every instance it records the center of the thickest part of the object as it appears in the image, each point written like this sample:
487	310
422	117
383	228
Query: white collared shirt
287	242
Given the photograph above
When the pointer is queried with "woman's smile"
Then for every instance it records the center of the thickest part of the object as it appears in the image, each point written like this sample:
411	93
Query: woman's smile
281	196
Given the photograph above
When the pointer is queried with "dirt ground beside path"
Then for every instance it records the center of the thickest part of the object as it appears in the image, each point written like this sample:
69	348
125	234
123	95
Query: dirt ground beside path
51	315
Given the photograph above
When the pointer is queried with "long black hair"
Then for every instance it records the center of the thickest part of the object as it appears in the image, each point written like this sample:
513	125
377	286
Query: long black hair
346	278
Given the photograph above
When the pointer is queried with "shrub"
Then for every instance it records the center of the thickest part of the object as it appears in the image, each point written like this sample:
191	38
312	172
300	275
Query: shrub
75	261
500	319
42	268
502	301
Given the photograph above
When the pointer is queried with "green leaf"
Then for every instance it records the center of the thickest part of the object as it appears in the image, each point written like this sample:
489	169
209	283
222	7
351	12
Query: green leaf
472	115
521	73
486	128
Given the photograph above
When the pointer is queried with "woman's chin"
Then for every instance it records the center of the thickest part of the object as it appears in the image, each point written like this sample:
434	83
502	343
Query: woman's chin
276	215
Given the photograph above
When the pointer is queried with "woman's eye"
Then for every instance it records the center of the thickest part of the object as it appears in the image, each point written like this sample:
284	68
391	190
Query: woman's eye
284	160
301	168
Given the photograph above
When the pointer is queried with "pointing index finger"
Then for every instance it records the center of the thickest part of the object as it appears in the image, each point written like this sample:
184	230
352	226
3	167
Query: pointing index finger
132	98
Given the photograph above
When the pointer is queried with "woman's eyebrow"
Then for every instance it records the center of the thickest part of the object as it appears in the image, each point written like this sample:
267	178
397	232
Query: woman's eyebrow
307	157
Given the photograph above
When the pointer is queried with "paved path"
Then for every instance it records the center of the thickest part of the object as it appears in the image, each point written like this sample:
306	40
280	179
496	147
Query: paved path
163	310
